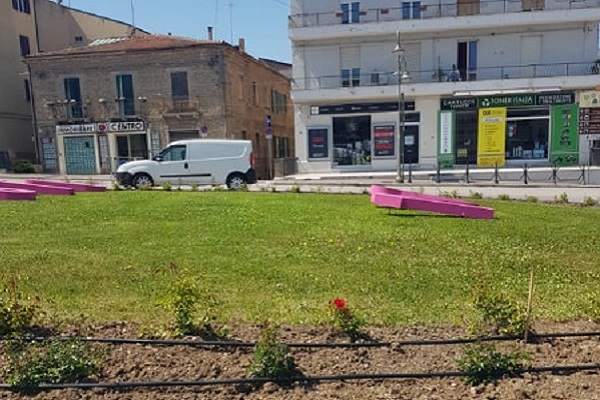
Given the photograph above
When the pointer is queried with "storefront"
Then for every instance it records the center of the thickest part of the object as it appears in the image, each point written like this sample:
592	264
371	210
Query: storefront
99	148
533	128
361	136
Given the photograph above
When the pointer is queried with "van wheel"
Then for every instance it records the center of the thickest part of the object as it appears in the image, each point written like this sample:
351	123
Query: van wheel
141	180
236	181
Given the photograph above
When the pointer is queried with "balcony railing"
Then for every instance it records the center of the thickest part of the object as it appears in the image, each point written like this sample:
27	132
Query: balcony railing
182	105
424	10
431	76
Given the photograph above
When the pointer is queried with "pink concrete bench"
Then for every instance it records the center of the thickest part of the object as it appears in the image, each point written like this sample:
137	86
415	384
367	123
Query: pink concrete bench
78	187
17	194
394	198
40	189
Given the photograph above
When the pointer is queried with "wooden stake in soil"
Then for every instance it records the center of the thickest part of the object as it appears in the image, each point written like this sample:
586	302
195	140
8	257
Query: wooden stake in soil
529	305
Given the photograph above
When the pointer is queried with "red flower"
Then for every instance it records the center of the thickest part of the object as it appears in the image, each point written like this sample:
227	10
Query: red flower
340	304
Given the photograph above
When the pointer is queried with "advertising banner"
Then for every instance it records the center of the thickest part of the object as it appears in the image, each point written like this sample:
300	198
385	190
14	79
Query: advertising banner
491	139
384	140
318	143
564	137
445	152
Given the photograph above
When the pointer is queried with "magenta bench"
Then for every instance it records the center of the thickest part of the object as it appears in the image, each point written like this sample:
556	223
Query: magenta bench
78	187
17	194
40	189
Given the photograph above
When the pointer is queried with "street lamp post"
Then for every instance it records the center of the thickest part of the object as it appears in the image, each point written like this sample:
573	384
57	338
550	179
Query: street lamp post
401	73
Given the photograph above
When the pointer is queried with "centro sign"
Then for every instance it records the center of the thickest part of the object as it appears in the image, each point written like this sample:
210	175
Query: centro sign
125	126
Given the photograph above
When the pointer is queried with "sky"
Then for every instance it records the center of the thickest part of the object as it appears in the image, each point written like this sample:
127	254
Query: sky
262	23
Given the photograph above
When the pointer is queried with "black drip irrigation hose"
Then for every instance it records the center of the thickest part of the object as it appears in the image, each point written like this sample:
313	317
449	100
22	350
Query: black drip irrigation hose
229	343
308	379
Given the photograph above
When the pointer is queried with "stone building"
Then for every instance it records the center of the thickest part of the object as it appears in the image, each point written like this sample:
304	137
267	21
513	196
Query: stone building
123	99
31	27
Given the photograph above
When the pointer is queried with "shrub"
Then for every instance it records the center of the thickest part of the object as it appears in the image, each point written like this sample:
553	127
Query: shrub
194	187
166	186
272	359
562	198
476	195
345	320
589	202
506	316
451	195
295	189
23	167
17	312
485	364
29	364
531	199
504	197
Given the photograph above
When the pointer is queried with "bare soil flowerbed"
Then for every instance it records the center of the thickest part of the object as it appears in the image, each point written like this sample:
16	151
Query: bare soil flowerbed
145	363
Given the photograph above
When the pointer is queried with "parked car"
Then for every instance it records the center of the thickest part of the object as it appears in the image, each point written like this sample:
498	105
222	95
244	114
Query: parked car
197	161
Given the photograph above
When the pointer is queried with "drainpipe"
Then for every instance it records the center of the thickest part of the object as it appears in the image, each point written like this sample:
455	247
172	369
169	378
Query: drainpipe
33	116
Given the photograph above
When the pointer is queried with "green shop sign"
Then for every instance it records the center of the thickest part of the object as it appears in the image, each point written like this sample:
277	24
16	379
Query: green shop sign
513	100
445	151
564	137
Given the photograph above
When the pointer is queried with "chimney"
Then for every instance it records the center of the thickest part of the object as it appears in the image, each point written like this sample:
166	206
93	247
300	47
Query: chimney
210	33
242	45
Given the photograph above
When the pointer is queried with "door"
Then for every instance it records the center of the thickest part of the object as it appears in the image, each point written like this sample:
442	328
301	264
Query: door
411	144
80	155
174	166
467	60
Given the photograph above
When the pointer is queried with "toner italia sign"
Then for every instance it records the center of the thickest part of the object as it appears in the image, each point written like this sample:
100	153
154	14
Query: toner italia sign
76	128
507	101
128	126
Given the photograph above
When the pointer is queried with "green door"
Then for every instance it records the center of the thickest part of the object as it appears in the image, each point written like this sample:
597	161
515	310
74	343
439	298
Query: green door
80	155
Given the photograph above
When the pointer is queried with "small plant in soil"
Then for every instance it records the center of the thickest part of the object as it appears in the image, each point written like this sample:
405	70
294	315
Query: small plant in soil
272	359
29	364
344	320
17	312
484	364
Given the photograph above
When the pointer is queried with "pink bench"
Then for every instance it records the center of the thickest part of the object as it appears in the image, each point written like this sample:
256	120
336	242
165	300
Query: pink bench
394	198
78	187
17	194
40	189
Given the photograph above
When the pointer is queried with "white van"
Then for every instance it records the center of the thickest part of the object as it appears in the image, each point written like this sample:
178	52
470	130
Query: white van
197	161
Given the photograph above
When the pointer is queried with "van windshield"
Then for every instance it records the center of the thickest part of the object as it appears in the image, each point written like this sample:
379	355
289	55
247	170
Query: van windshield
173	153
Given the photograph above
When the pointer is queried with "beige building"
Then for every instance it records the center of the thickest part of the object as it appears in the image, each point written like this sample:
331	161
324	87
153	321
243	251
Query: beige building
111	102
30	27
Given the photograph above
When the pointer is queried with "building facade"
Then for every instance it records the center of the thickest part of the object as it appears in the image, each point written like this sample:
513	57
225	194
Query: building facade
121	100
385	83
29	27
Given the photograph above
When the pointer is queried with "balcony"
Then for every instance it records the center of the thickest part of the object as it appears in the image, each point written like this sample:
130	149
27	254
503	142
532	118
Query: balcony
181	107
435	76
423	10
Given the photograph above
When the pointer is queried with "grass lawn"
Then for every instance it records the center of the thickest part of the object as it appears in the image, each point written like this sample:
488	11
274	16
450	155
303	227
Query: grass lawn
284	256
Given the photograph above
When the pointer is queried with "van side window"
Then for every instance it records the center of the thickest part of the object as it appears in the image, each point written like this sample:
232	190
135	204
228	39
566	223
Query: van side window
174	153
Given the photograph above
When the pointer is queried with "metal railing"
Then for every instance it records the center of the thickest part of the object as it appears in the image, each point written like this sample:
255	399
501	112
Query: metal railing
424	10
440	75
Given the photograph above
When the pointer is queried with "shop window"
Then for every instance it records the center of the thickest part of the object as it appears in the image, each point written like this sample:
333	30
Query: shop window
125	99
350	12
352	140
527	133
132	147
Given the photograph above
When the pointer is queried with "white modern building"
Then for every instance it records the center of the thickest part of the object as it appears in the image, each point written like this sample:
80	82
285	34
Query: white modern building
527	75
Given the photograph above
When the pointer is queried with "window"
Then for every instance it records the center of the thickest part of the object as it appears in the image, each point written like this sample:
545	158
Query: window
179	86
350	77
27	90
527	133
73	97
78	39
173	153
24	45
351	12
411	10
281	147
125	99
278	102
254	94
22	6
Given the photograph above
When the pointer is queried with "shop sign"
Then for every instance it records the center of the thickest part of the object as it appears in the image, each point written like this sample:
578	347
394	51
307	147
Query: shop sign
127	126
445	135
589	121
513	100
360	108
564	141
589	99
469	103
384	140
75	128
491	139
318	143
555	98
